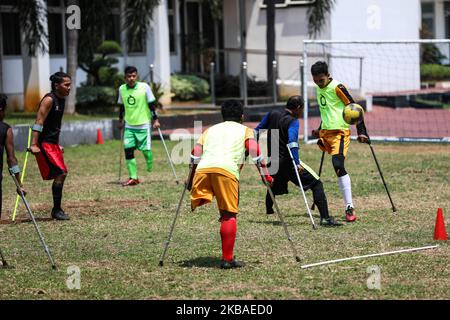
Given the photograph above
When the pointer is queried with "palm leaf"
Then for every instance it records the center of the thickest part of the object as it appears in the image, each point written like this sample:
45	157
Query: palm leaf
32	15
138	15
317	14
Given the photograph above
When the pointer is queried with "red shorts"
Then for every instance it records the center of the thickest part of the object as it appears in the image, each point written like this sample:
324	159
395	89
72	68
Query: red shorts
50	161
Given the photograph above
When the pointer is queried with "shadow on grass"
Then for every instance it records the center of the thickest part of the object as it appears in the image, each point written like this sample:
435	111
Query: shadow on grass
116	182
202	262
25	220
272	222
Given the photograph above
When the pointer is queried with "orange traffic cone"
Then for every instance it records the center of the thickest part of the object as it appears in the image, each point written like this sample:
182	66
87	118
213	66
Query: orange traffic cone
99	137
439	230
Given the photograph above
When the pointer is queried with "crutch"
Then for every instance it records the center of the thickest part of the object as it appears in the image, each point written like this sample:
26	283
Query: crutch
168	156
280	216
381	175
320	173
22	176
120	155
169	238
301	188
47	251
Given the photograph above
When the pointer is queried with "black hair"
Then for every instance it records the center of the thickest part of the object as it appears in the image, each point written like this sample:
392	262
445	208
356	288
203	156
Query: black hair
57	78
130	69
294	102
232	110
318	68
3	98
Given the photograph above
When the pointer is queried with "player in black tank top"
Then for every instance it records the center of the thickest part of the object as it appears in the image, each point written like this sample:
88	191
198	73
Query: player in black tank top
45	141
52	124
6	143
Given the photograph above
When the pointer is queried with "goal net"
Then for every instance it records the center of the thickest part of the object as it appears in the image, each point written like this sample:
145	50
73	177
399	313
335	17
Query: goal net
404	86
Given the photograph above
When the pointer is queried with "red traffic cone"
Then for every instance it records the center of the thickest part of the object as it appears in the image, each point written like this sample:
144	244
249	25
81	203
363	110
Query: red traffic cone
99	137
439	229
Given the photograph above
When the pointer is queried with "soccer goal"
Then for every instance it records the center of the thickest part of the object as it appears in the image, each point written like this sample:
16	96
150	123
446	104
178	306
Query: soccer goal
404	86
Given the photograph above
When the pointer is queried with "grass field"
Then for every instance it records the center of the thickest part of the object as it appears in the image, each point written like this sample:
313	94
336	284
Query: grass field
116	235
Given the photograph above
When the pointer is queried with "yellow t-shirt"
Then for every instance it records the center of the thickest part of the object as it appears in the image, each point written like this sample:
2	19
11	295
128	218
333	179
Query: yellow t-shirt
224	148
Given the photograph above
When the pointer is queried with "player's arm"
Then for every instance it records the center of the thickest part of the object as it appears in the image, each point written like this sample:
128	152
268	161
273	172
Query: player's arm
121	115
44	109
252	148
121	111
196	154
316	132
343	94
293	142
152	104
363	136
13	164
263	125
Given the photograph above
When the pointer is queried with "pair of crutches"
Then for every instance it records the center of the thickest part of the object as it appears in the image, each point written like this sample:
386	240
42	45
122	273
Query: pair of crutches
280	216
165	147
394	209
22	196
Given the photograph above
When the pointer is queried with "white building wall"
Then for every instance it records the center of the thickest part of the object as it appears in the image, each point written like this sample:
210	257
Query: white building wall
12	80
291	28
386	68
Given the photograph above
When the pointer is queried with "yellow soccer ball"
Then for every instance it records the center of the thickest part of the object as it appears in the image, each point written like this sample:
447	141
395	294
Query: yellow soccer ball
353	113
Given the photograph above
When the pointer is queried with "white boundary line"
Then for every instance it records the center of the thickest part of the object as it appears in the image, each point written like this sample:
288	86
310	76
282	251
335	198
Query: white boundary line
367	256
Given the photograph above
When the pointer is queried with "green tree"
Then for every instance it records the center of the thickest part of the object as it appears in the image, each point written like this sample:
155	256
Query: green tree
94	14
317	14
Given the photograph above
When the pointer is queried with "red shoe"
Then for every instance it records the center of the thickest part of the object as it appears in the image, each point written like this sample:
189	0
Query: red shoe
130	182
350	214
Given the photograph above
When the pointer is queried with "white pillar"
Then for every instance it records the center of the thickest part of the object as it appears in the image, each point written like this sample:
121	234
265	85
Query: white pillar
439	20
36	73
162	49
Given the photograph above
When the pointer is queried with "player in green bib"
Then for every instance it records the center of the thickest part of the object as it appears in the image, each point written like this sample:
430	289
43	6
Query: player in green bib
138	108
334	132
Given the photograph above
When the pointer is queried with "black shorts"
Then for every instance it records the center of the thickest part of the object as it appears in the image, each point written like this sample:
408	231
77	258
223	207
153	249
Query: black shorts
287	173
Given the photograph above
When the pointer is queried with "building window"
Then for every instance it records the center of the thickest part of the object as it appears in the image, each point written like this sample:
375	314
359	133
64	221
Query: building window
55	33
286	3
11	34
428	20
8	2
53	3
112	28
136	44
172	26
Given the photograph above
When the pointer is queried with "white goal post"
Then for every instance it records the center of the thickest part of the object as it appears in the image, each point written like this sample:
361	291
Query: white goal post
382	73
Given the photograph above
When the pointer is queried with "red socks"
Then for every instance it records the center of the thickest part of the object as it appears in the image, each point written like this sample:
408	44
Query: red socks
228	234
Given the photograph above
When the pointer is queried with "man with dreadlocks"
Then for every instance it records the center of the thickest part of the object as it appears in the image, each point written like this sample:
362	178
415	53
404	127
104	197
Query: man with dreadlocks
45	139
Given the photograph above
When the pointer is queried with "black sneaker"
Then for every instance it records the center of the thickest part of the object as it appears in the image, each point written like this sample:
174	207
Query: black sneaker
231	264
59	214
330	222
269	211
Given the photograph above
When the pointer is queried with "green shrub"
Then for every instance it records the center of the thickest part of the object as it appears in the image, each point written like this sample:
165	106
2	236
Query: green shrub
229	86
95	99
434	72
188	87
158	92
